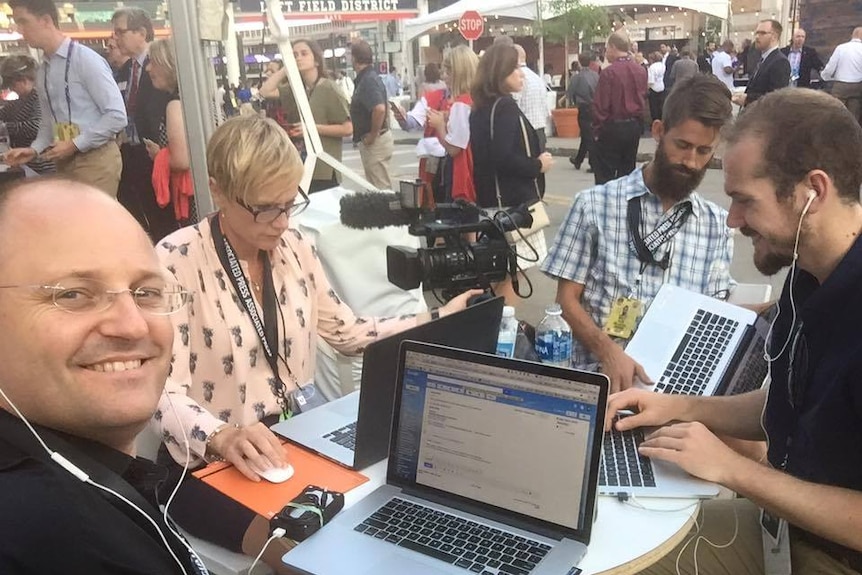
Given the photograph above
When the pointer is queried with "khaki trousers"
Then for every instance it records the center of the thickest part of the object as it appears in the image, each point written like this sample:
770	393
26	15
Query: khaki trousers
376	158
745	555
100	167
850	94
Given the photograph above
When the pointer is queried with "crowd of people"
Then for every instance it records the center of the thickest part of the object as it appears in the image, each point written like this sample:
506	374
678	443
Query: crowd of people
637	98
211	336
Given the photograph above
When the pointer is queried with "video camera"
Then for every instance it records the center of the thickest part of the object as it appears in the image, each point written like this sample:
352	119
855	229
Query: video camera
466	247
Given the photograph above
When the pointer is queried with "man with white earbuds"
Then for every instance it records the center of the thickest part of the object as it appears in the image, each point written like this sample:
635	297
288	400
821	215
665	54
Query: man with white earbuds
793	175
86	350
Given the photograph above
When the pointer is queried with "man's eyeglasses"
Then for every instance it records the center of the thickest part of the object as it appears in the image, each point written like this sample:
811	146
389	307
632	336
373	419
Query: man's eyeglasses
83	295
268	214
121	31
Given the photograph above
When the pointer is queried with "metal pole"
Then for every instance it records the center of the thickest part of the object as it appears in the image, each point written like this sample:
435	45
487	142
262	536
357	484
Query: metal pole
195	96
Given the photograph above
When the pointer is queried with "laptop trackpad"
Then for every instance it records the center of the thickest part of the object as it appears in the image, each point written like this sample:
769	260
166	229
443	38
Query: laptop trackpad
401	564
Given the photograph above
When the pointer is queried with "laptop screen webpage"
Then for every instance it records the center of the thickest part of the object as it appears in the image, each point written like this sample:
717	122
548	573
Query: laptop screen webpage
516	440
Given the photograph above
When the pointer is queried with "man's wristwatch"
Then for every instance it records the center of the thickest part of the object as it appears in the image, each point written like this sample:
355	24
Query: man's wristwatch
435	313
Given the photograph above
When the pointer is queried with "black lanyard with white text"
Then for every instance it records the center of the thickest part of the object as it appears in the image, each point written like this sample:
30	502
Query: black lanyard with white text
663	233
267	330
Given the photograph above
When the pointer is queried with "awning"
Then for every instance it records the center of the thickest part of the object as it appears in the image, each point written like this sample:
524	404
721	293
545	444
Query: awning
528	10
520	9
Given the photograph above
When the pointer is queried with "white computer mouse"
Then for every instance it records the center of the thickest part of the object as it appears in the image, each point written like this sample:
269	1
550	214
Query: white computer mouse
276	474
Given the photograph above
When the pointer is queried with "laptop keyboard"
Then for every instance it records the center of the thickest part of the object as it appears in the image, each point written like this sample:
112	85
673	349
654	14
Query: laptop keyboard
344	436
472	546
621	464
698	354
753	371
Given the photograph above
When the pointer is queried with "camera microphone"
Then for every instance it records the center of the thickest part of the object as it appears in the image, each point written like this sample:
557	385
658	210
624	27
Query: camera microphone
367	210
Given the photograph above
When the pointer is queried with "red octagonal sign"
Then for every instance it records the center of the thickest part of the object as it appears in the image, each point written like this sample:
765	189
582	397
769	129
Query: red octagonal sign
471	25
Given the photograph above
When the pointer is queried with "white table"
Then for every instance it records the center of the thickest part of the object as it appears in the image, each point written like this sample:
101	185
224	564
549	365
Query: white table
625	538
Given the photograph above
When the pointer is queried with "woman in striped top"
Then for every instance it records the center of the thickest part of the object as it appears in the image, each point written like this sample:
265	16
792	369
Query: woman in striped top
22	116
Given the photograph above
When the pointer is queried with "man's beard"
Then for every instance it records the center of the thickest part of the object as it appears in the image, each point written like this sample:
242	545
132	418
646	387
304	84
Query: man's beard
778	256
674	181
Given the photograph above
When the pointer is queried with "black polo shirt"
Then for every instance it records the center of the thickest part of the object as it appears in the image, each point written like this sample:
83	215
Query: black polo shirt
369	92
813	415
52	523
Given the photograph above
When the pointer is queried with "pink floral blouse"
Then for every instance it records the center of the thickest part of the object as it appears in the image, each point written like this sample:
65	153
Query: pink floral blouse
219	372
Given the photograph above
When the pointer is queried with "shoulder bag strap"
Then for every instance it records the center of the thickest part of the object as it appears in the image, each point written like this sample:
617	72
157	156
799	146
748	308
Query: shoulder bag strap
529	151
496	179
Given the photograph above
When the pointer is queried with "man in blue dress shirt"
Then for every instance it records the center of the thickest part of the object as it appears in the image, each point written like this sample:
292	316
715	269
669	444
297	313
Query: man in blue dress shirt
82	108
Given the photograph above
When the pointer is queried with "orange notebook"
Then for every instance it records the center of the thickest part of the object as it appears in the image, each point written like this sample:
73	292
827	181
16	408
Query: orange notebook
267	498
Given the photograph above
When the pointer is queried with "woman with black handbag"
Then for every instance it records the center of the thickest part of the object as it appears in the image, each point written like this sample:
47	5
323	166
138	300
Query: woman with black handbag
508	166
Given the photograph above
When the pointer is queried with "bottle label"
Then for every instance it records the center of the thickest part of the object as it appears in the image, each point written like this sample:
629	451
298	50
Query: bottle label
506	348
554	347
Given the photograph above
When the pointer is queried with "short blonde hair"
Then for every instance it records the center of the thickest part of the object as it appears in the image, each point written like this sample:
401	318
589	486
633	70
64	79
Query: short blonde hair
461	62
162	53
248	152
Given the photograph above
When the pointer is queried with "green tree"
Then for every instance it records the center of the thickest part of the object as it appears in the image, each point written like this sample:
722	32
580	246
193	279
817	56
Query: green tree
572	18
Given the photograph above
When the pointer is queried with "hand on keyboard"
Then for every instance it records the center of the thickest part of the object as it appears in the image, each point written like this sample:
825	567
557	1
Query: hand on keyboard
651	409
622	369
694	448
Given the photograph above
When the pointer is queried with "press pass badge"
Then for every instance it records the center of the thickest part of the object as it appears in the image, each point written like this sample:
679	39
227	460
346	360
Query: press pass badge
623	318
66	132
776	544
305	397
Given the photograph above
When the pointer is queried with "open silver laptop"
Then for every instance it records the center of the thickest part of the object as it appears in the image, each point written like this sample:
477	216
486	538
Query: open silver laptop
354	430
622	470
492	469
693	344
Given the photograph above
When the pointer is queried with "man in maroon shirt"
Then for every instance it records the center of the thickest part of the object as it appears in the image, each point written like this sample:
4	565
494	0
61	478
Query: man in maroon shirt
618	107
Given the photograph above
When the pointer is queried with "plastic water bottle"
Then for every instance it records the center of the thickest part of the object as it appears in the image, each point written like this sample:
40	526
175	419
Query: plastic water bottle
508	333
554	338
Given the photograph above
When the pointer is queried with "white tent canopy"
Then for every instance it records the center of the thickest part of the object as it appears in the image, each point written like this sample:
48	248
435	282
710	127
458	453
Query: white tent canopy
717	8
529	9
521	9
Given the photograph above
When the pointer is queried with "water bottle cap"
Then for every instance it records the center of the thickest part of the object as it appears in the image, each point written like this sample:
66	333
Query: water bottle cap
508	311
553	309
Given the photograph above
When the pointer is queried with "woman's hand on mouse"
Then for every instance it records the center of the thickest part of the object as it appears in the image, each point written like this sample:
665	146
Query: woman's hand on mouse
250	445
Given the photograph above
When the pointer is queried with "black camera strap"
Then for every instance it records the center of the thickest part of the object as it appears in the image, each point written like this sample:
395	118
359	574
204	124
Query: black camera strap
267	328
663	233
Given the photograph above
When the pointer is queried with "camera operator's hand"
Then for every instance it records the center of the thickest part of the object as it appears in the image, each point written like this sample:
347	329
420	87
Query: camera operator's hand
547	161
459	302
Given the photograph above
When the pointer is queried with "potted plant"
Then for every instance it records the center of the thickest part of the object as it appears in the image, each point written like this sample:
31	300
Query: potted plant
571	19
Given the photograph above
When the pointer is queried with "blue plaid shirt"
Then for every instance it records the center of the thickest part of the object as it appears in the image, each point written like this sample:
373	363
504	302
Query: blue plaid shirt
592	248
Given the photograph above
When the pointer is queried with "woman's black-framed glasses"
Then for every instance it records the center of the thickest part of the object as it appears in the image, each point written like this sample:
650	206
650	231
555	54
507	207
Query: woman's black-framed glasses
270	213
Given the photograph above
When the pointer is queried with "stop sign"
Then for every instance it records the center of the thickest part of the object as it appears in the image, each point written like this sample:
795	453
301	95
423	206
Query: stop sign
471	25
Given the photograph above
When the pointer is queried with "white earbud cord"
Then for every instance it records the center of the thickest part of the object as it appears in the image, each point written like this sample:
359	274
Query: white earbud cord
80	474
766	355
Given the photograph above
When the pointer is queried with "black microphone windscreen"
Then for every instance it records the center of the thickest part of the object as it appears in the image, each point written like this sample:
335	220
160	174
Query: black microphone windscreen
366	210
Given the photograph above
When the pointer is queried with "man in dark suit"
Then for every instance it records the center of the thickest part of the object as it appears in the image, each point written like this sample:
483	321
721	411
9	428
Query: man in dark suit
802	60
145	107
773	72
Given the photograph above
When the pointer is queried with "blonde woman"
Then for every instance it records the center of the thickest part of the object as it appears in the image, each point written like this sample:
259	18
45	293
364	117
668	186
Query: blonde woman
161	66
240	362
453	127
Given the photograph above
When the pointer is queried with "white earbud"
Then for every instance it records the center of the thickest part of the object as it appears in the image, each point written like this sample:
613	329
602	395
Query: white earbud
812	195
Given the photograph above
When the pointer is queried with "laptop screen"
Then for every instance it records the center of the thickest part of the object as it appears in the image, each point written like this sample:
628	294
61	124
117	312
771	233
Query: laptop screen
517	436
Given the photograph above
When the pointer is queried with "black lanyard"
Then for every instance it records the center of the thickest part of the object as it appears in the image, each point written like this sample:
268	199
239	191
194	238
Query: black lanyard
267	330
663	233
66	79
